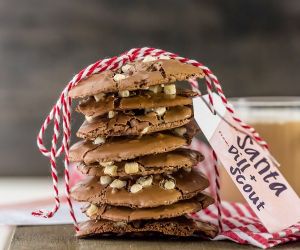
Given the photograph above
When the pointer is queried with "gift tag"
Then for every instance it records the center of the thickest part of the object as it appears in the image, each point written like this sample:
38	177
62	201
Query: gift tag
265	189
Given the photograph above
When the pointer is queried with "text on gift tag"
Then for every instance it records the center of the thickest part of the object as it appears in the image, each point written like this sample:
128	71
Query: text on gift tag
265	189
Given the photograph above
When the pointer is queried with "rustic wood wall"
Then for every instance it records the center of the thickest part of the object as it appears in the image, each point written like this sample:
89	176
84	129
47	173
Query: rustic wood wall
253	46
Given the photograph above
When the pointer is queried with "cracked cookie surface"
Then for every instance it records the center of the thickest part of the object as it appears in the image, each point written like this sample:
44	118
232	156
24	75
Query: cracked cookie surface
135	124
119	148
143	75
150	164
200	201
179	226
187	185
140	100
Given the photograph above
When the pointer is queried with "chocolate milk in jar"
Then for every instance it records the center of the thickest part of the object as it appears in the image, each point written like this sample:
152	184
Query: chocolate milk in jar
277	119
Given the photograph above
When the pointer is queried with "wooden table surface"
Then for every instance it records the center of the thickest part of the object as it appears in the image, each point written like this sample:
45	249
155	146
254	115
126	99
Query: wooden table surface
62	237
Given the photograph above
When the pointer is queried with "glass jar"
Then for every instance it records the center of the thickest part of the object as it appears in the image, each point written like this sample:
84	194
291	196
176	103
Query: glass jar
277	119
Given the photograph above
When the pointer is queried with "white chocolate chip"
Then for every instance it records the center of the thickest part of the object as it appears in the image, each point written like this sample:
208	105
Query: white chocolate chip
188	169
164	57
157	65
145	130
160	111
124	93
170	89
118	184
99	140
110	170
180	131
149	58
127	68
155	89
131	167
111	114
136	188
89	118
145	181
120	224
106	163
99	97
169	184
105	180
119	77
91	210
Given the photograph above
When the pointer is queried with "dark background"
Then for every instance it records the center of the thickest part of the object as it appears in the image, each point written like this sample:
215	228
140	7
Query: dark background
253	47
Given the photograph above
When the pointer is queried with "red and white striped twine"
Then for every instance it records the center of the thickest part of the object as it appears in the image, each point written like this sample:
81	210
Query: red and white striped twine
62	109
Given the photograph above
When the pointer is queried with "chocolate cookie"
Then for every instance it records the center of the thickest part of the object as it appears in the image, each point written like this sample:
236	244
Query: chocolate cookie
150	164
137	100
201	201
150	191
118	148
141	75
131	123
179	226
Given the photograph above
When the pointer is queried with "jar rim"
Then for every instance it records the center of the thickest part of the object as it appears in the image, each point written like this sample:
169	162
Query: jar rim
266	101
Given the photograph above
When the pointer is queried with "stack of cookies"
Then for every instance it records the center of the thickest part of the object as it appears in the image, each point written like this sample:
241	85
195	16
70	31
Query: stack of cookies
140	175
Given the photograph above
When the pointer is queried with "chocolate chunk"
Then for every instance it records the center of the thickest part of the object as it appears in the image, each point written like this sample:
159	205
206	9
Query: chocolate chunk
179	226
118	148
131	124
187	185
126	214
142	100
151	164
143	76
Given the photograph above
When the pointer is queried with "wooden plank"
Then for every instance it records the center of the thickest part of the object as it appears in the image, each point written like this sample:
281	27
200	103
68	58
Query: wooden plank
62	237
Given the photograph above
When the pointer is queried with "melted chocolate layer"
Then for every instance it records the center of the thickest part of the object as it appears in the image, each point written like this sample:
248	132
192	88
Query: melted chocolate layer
151	164
132	124
187	185
201	201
